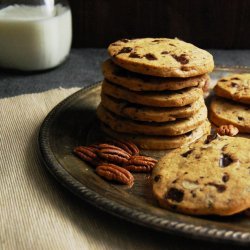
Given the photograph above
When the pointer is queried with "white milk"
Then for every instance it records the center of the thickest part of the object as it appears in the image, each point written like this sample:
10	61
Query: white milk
30	40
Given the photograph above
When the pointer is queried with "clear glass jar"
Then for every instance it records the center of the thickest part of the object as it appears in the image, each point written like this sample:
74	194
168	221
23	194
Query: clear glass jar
34	35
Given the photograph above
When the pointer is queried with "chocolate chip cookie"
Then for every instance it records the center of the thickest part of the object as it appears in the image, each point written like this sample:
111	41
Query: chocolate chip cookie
161	57
235	87
147	113
176	98
139	82
152	142
178	127
223	112
210	177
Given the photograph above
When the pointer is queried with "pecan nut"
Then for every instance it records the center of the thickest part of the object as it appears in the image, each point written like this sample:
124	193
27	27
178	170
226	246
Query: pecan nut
128	146
113	154
88	154
229	130
139	163
205	87
113	172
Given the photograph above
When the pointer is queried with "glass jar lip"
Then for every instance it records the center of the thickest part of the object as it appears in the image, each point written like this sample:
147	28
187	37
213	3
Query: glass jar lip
6	3
59	10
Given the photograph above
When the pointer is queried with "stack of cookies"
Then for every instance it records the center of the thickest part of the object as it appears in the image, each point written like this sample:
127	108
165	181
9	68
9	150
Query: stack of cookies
152	92
232	104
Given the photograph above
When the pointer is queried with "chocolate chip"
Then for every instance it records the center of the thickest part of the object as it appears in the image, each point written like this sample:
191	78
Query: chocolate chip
175	194
150	56
225	177
134	55
210	138
164	52
124	40
225	160
223	80
220	188
193	193
156	41
125	50
181	59
233	84
187	153
189	133
174	181
240	118
235	78
172	44
157	178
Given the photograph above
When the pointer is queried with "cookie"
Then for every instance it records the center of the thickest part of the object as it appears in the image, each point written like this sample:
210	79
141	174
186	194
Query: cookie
206	178
139	82
149	114
176	98
223	112
160	142
182	126
235	87
161	57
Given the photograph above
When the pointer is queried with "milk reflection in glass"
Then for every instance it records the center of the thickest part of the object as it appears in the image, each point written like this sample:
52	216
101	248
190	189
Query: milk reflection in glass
30	40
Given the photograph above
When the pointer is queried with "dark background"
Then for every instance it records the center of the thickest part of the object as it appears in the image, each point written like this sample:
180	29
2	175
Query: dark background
221	24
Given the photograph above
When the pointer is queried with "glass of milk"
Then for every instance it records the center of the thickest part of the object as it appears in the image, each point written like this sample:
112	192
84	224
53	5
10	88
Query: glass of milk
34	35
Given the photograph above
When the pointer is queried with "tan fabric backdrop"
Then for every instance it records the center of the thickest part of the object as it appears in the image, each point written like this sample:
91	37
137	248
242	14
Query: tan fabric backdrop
36	211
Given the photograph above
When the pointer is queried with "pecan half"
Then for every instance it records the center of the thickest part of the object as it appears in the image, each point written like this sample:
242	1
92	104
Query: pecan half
229	130
139	163
112	172
88	154
128	146
113	154
94	147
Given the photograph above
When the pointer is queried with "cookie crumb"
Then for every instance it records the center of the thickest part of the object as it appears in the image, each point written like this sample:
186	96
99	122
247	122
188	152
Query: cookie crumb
124	40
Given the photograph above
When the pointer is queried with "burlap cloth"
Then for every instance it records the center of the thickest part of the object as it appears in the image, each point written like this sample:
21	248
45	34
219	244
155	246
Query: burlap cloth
37	212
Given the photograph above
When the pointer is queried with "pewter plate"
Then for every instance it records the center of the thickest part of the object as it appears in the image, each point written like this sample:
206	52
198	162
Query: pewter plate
73	122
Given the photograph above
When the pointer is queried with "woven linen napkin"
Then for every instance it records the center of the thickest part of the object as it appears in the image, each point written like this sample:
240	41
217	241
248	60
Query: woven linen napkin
37	212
